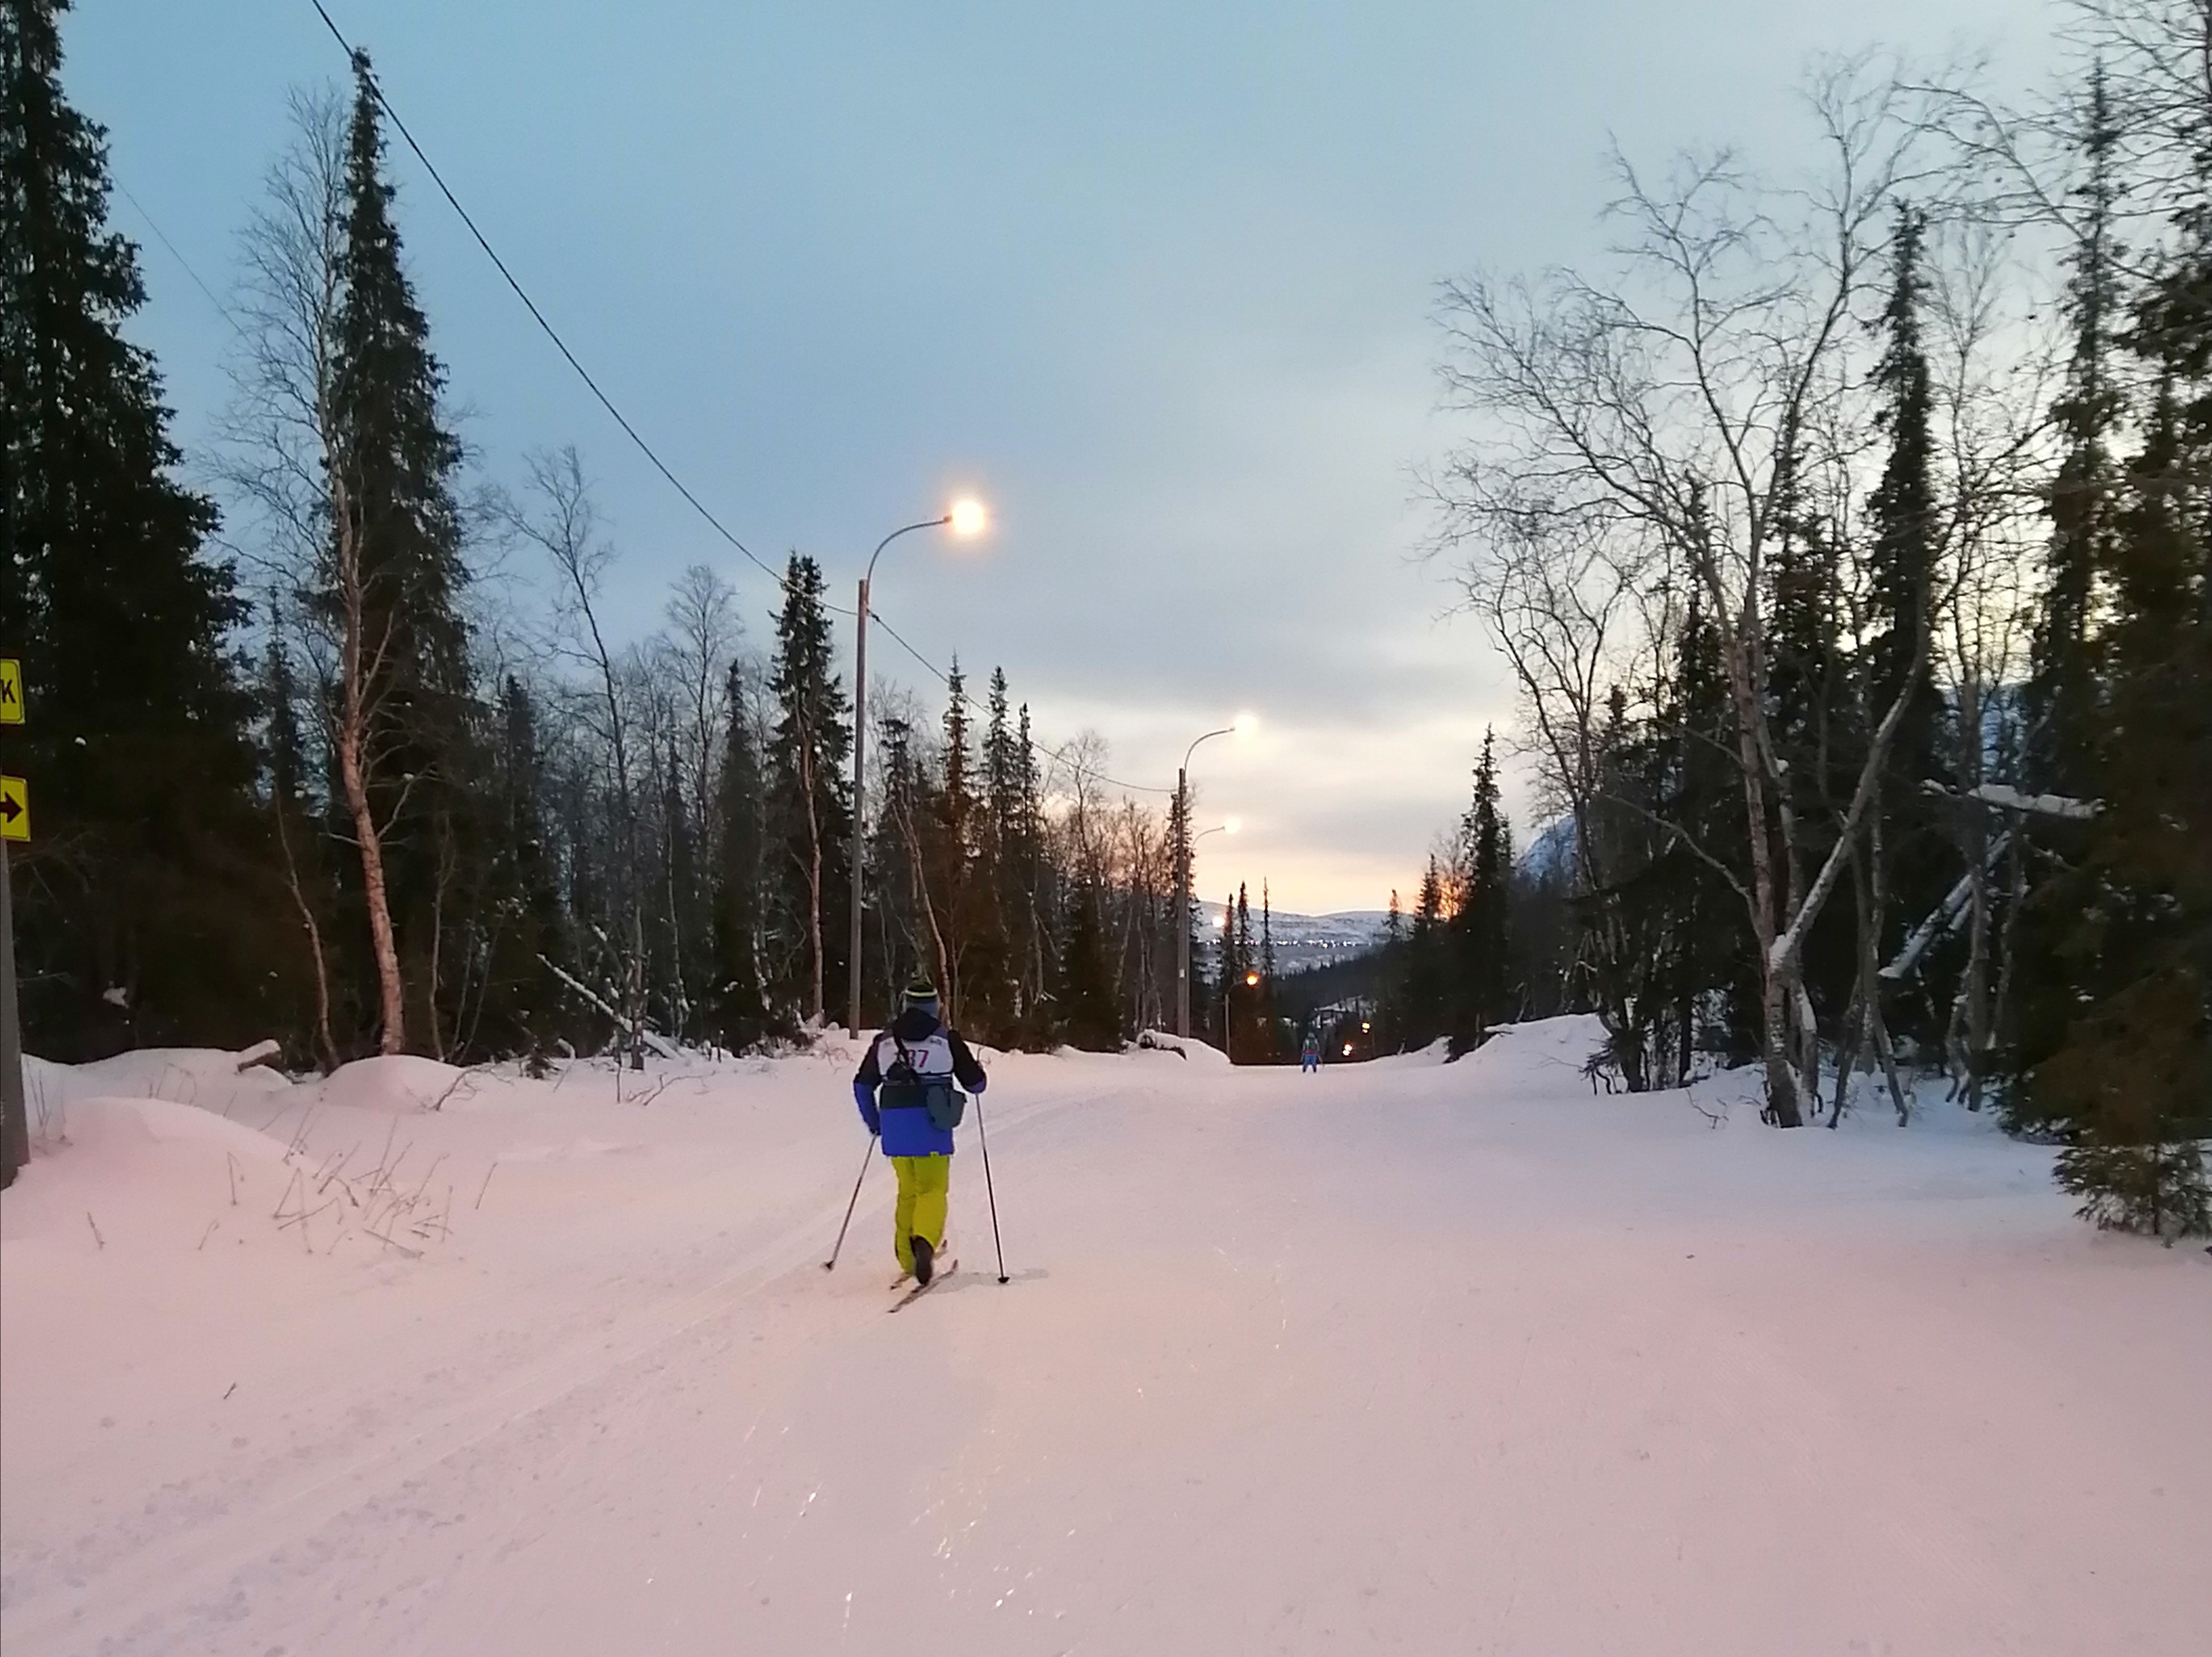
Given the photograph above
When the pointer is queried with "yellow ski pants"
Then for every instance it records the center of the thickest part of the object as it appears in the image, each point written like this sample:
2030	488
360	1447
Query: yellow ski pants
924	1183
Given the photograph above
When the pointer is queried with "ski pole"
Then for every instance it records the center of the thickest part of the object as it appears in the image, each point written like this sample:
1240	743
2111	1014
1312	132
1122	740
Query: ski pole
868	1156
988	1189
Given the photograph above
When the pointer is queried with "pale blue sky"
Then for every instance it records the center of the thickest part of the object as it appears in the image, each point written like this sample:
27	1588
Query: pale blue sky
1153	278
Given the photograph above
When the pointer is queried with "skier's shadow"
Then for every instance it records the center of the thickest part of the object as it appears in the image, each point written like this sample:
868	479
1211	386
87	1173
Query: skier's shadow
962	1281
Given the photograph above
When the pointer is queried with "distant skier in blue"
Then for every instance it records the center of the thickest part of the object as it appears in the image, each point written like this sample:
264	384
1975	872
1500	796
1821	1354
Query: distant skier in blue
915	1064
1309	1054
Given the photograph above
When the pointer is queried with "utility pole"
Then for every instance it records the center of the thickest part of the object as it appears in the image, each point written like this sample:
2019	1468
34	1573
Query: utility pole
860	785
15	824
1183	901
16	1152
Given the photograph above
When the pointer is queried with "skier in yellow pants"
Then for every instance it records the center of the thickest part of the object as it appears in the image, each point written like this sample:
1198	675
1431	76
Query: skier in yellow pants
905	1090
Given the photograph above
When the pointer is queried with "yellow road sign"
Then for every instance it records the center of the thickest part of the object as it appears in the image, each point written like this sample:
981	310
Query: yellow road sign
14	809
11	691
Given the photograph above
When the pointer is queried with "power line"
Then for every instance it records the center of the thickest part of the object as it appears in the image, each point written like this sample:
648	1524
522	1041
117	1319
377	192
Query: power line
538	316
607	403
162	236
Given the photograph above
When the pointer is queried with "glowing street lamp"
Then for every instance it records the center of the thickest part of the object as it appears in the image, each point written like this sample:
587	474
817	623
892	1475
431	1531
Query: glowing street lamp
966	517
1241	727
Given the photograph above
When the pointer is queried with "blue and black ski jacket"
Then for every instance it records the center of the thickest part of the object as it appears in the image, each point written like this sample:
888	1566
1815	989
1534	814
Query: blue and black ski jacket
917	1046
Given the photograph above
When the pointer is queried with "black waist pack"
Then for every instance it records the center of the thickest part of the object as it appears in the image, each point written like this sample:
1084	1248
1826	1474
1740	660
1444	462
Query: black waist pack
904	1090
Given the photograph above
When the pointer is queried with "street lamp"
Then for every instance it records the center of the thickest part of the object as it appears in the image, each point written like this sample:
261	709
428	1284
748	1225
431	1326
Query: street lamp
965	518
1241	727
1227	826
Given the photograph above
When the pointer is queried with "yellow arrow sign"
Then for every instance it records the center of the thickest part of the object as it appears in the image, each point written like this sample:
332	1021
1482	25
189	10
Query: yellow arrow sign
14	809
11	691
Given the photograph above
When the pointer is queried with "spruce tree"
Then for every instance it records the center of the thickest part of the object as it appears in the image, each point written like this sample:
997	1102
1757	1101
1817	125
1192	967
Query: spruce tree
526	932
1902	510
1089	1016
170	917
810	797
1424	988
1913	868
986	984
903	941
2128	1084
676	878
951	862
737	993
1709	953
1809	683
1033	892
1245	1030
1270	1032
1389	1012
2062	687
391	585
292	816
1205	992
2126	1080
1233	978
997	980
1479	940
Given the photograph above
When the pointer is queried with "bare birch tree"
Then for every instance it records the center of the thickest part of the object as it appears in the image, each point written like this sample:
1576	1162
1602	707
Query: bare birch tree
1676	414
283	450
560	518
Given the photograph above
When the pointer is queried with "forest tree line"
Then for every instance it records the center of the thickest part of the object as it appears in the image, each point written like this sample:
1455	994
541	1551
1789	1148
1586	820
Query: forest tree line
1847	538
315	767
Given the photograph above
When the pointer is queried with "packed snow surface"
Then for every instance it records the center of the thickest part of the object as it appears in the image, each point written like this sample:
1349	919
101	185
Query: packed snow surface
1427	1358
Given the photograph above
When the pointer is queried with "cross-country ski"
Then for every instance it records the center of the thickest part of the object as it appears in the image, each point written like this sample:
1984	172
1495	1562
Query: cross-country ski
944	1270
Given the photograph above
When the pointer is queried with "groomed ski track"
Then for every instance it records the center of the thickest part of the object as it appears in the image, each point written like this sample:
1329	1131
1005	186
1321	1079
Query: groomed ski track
1406	1357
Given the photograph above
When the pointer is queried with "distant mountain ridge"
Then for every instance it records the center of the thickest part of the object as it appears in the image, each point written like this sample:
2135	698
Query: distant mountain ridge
1306	940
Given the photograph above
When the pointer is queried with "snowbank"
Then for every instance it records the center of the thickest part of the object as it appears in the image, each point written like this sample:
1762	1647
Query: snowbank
151	1173
1438	1051
399	1083
1200	1054
208	1078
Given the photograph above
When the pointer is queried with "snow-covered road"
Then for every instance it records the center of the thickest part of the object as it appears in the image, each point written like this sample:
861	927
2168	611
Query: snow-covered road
1403	1357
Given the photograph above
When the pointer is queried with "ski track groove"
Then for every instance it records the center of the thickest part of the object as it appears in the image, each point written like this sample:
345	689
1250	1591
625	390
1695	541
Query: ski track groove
215	1554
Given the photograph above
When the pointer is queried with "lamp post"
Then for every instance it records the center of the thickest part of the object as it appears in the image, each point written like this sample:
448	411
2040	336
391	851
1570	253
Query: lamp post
967	518
1241	727
1182	999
